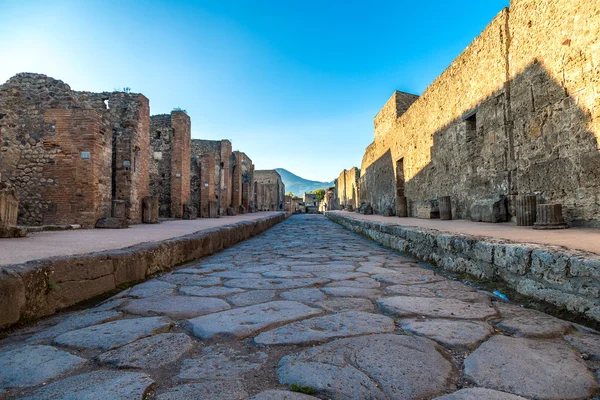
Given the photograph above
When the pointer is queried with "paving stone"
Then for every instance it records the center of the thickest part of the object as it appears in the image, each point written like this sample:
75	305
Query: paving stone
324	268
259	269
108	305
252	297
152	288
352	292
191	280
176	307
114	334
450	333
193	271
350	323
340	276
149	353
342	304
479	394
542	369
585	343
304	295
435	307
371	270
236	275
385	366
113	385
266	283
408	278
214	267
281	395
221	363
365	283
74	322
470	297
210	390
407	290
215	291
287	274
245	321
531	323
25	366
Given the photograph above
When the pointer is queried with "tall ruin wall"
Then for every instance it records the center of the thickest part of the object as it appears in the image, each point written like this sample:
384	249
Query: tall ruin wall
270	190
347	188
56	152
222	155
516	113
161	138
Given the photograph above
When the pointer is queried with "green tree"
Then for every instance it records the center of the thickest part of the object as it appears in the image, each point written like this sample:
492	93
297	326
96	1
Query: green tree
320	194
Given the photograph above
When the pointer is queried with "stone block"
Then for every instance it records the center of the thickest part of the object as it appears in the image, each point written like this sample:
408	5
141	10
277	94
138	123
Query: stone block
213	209
189	212
367	210
242	210
150	210
112	223
388	212
12	231
489	210
119	209
230	211
12	298
427	209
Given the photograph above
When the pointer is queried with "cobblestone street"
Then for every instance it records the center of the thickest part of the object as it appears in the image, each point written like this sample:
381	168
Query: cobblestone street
307	306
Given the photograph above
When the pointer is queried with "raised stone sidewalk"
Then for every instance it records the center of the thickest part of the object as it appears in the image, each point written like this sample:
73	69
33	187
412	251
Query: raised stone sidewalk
61	269
308	306
559	267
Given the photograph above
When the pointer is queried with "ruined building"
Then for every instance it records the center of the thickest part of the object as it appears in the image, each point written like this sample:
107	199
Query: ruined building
269	190
170	158
346	191
69	155
517	113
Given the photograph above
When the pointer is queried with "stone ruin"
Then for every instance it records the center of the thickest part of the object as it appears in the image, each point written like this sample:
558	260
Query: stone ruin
95	159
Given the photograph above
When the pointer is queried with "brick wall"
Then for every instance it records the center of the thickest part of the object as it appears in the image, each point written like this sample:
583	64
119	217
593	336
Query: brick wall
161	139
516	113
223	157
270	190
180	162
347	189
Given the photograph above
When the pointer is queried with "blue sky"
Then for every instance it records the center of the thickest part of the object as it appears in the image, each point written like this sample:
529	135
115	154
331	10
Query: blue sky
294	84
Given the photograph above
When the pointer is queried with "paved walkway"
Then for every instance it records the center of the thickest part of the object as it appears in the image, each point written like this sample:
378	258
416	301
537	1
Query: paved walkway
62	243
573	238
310	306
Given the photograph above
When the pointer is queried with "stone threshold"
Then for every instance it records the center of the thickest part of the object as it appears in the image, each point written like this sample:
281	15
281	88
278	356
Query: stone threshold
39	288
563	277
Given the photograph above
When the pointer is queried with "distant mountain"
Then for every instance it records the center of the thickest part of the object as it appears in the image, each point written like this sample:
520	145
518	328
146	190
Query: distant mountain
297	185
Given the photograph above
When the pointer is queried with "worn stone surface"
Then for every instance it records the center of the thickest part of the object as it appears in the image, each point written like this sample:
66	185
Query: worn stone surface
537	368
479	394
191	280
450	333
350	323
281	395
149	353
303	295
214	390
435	307
215	291
114	334
220	363
176	307
365	283
74	322
245	321
352	292
585	343
274	283
152	288
376	367
32	365
342	304
530	323
117	385
252	297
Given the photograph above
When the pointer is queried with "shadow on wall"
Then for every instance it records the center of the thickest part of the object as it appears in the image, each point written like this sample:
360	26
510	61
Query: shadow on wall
530	137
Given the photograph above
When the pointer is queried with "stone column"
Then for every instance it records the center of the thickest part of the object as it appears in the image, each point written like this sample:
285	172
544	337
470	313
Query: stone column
401	206
549	216
150	210
445	205
525	210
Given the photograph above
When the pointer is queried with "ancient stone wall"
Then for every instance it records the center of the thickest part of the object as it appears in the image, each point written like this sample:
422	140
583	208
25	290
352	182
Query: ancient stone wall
347	187
223	158
515	113
245	169
180	162
161	136
56	151
270	190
